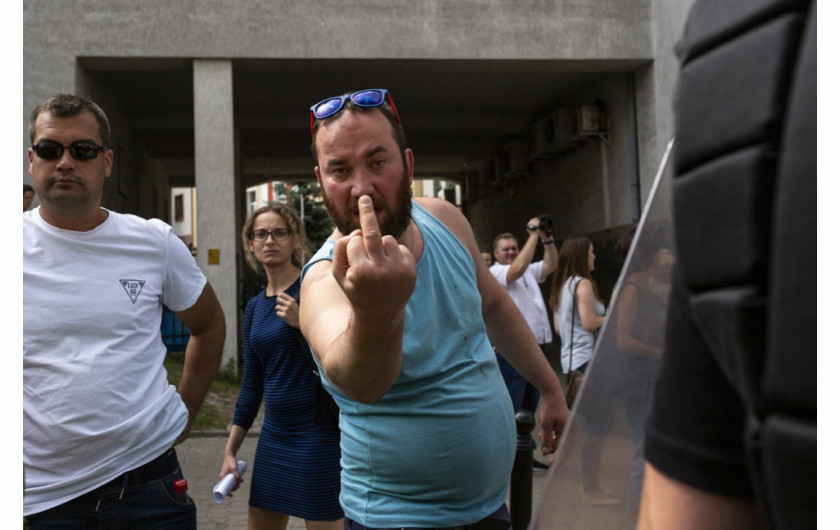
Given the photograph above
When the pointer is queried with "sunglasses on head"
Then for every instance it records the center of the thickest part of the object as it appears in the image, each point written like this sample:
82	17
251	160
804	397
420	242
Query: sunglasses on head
369	98
80	150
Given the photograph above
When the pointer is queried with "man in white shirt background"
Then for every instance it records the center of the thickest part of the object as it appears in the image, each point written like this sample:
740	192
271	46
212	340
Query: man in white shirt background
521	278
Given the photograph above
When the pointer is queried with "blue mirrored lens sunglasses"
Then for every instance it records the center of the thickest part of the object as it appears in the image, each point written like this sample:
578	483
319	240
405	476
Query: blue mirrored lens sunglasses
80	150
368	98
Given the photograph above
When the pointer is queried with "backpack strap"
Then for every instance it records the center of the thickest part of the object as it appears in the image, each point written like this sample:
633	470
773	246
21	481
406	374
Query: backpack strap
572	329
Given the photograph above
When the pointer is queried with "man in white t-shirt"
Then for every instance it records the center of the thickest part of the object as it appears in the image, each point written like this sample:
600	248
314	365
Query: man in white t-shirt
521	278
100	420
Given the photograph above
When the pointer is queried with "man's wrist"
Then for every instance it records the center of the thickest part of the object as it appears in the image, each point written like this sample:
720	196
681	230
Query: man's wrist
548	241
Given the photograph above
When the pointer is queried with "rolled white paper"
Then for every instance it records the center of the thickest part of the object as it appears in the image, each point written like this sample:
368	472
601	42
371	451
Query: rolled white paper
221	490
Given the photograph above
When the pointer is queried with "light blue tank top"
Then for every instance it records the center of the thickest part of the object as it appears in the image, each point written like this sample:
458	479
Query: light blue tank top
437	449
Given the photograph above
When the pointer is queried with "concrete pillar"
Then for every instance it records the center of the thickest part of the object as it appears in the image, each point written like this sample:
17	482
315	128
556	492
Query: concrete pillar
215	188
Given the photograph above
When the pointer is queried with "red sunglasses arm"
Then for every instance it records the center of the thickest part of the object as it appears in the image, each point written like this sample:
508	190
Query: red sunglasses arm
394	108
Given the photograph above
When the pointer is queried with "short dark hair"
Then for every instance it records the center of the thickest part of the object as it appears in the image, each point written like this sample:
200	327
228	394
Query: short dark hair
67	105
27	187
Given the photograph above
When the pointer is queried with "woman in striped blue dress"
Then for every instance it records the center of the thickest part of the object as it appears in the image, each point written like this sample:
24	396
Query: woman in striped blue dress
296	466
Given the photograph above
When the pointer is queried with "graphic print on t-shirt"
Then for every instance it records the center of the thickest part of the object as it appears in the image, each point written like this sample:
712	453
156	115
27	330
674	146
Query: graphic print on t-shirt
133	288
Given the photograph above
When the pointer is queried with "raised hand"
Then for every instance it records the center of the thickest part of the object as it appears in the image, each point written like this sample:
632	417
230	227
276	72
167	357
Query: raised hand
376	273
287	309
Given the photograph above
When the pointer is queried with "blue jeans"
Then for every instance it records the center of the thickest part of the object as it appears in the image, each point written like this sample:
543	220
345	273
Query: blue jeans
498	520
142	498
522	393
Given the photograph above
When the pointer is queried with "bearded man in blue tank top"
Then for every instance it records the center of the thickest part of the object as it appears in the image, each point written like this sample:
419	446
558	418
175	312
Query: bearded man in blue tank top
400	311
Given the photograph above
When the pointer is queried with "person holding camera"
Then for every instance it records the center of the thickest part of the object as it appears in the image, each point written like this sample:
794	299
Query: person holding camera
521	278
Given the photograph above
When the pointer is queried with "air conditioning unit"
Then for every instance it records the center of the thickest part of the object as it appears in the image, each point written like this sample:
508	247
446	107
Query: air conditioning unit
590	120
551	135
512	160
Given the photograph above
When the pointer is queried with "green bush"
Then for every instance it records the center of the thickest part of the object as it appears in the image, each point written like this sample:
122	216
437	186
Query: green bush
217	410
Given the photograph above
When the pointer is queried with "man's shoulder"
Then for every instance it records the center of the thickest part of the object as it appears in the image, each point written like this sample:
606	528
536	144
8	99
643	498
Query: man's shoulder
499	267
137	228
499	272
125	222
442	210
322	258
131	219
449	216
30	219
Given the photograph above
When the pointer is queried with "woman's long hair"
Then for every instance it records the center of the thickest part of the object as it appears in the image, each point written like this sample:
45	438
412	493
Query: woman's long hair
300	245
572	260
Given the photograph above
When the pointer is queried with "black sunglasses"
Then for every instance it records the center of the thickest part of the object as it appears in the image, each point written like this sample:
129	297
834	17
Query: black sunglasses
80	150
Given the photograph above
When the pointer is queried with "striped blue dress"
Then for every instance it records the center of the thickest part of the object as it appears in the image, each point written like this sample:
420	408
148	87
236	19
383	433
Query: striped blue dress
296	468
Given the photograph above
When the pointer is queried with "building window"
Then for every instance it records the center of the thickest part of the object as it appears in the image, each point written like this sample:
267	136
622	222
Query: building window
179	208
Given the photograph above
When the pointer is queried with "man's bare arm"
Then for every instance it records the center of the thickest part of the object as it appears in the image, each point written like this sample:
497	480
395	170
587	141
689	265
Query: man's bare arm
668	504
352	310
206	322
523	259
508	330
549	256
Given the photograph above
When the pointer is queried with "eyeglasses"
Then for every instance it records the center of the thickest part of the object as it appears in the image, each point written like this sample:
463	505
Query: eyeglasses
369	98
278	234
80	150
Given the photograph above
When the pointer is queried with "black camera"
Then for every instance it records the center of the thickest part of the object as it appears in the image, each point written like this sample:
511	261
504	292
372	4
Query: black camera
545	223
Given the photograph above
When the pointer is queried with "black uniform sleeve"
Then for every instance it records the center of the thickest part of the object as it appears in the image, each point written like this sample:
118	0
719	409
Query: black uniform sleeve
696	427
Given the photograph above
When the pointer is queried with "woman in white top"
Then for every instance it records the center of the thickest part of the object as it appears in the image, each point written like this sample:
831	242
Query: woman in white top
575	263
578	314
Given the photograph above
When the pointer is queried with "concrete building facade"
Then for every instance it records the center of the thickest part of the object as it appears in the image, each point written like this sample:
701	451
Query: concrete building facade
560	107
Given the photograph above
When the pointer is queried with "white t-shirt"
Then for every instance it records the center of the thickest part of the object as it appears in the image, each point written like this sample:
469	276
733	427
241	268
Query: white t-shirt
526	294
96	402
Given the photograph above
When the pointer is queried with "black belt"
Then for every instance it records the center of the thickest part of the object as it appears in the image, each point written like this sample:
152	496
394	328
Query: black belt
156	469
160	466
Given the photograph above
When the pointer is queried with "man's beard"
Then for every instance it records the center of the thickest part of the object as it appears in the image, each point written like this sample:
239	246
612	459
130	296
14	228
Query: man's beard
395	222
